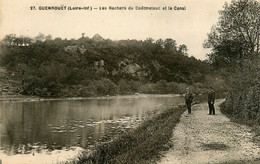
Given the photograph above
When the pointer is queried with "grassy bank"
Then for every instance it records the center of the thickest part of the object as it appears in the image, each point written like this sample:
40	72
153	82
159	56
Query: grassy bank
237	119
241	162
141	145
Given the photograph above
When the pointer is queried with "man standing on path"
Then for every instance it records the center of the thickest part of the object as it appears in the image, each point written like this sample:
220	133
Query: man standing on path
188	99
211	99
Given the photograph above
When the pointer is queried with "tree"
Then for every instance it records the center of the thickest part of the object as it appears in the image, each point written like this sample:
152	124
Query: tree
19	41
158	47
170	45
236	35
149	40
48	37
27	41
40	37
9	39
183	49
159	42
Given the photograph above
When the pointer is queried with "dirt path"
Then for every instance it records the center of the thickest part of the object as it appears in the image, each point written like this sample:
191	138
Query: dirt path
201	138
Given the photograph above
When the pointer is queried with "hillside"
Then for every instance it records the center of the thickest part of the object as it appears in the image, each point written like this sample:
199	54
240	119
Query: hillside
96	66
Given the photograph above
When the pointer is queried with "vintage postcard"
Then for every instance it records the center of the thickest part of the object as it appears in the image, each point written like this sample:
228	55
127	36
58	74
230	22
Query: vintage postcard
126	81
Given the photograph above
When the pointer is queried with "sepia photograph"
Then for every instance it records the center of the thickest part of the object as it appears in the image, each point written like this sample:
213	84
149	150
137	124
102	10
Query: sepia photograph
129	82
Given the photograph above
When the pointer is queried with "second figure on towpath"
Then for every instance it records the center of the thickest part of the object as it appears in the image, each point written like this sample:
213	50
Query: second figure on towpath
211	99
188	100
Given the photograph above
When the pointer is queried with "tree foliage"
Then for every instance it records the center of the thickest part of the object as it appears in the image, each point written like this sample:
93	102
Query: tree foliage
235	49
98	66
236	35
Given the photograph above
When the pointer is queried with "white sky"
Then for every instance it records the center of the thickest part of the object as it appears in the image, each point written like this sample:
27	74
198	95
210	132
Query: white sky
188	27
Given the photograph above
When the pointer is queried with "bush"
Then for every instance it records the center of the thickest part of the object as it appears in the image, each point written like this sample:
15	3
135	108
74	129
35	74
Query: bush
243	101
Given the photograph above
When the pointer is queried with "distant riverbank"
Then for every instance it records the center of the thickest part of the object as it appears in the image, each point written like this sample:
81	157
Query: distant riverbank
24	98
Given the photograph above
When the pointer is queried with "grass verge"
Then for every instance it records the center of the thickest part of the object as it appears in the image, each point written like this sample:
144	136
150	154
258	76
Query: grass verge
140	145
242	162
249	122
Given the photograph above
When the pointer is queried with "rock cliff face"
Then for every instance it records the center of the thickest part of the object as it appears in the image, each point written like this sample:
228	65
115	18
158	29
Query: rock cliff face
75	49
128	68
156	65
99	67
71	49
124	67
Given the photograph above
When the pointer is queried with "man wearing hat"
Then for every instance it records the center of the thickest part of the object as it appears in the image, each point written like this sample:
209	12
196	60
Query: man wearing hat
188	100
211	99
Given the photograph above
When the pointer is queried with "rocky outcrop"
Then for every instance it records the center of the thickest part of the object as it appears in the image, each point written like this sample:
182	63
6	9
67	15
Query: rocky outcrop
82	49
99	66
75	49
130	68
71	49
156	65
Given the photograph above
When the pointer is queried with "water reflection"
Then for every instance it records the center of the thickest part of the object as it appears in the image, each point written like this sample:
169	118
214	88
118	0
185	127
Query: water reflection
49	125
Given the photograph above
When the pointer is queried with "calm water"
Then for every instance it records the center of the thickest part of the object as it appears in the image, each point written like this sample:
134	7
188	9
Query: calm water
62	124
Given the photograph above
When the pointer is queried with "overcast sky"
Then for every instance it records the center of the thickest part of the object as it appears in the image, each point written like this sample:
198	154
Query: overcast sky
188	27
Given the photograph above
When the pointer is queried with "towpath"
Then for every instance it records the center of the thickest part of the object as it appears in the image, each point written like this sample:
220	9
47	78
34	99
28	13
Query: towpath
200	138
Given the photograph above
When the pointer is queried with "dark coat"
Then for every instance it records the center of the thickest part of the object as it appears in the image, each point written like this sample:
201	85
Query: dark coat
188	98
211	96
